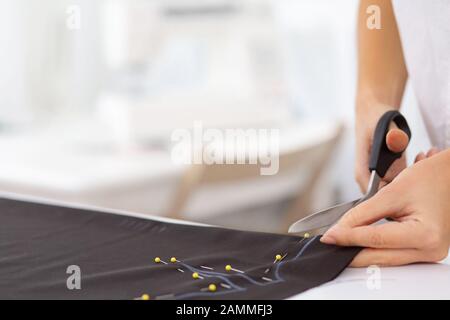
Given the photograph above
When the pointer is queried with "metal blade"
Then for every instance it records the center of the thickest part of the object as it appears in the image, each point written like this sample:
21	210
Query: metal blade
323	218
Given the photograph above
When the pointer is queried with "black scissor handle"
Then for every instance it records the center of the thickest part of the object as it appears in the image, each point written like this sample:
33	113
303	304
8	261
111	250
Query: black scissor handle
381	157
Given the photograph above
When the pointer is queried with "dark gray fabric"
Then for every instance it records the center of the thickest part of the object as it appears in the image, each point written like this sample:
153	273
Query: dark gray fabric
116	256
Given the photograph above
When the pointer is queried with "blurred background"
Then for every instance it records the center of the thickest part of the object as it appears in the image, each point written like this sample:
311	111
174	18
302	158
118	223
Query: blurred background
91	91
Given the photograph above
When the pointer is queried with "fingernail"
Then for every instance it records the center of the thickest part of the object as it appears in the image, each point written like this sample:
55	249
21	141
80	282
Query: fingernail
330	236
420	157
327	239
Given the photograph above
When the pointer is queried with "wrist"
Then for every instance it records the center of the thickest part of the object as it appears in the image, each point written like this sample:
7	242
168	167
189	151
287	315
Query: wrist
368	112
366	107
370	98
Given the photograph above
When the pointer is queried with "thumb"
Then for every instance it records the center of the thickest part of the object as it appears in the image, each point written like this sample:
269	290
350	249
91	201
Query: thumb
383	204
397	140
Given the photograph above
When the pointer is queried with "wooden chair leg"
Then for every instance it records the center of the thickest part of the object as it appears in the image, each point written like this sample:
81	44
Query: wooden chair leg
188	183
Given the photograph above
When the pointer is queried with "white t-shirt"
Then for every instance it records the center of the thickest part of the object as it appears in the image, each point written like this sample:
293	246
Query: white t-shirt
424	27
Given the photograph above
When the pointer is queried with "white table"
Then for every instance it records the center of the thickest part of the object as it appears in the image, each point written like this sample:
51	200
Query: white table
419	281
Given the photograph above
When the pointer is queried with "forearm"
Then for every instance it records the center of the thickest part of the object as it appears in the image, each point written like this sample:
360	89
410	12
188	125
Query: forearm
382	73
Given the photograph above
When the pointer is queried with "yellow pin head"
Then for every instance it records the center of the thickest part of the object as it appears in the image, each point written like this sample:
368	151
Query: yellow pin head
145	297
173	259
278	257
306	235
157	259
195	275
212	287
228	267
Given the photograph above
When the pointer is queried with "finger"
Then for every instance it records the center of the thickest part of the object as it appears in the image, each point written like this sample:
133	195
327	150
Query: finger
421	156
433	151
391	235
398	166
397	140
387	257
385	203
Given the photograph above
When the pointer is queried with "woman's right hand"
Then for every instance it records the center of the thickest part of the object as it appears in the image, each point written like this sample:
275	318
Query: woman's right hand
396	140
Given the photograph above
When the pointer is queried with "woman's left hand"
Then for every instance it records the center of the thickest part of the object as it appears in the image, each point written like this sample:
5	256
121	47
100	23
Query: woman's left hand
419	201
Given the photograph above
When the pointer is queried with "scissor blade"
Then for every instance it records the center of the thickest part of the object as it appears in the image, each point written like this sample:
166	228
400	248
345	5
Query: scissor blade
322	219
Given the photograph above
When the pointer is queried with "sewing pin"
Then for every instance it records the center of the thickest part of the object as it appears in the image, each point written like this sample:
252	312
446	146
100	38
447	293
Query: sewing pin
230	268
195	275
278	257
212	287
158	260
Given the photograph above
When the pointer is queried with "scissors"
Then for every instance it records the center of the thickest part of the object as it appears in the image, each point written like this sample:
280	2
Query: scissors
381	158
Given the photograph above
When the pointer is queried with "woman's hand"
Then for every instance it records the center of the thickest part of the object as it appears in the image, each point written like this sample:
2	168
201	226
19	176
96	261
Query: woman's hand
396	140
419	201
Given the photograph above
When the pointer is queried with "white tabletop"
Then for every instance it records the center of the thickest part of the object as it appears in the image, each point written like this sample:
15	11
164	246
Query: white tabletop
418	281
